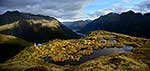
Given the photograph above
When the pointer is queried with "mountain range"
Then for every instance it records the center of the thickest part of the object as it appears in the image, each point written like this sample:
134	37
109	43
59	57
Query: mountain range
41	43
130	23
76	25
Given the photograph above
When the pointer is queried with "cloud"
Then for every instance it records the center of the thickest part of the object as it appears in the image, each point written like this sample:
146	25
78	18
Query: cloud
144	6
72	9
115	9
100	12
65	9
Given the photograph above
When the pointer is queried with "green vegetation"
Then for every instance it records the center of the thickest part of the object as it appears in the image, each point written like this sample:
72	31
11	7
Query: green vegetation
31	58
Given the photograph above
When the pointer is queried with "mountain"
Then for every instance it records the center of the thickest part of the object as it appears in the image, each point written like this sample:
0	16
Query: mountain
34	28
130	23
97	51
76	25
10	46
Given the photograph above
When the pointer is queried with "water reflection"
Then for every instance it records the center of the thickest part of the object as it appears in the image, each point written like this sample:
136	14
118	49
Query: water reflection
96	53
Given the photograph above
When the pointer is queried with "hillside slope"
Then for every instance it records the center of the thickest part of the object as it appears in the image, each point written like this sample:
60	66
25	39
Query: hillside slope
34	28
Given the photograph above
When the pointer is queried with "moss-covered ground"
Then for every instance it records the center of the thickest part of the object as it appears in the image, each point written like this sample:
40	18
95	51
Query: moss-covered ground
30	59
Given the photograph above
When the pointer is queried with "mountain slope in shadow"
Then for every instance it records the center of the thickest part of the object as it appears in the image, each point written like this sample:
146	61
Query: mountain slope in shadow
10	46
130	23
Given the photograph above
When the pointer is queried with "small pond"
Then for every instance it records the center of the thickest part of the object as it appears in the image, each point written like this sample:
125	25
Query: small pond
80	34
96	53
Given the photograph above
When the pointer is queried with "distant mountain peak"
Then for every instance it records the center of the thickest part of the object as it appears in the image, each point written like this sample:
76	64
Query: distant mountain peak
11	12
77	25
112	13
129	12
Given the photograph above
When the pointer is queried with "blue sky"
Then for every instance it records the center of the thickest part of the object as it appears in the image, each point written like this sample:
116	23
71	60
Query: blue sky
99	4
66	10
105	4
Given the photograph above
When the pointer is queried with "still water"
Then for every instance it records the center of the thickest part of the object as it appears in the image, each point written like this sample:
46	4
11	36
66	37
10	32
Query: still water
95	54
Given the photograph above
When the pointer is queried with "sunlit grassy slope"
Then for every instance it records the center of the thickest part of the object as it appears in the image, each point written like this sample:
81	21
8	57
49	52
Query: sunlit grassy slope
9	26
7	39
62	50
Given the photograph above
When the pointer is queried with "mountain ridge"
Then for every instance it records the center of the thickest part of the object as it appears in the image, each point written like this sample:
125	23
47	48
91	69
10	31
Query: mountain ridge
34	28
130	23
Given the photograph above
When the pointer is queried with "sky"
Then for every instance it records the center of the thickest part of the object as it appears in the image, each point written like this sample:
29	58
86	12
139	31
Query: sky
69	10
